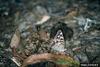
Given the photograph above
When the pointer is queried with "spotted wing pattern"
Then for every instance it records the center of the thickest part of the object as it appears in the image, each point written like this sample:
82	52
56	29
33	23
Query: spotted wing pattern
58	42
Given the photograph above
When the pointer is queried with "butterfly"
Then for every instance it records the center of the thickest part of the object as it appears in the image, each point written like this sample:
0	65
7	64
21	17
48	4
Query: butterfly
58	42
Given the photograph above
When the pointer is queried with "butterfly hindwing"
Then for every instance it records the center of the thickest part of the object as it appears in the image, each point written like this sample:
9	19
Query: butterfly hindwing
58	42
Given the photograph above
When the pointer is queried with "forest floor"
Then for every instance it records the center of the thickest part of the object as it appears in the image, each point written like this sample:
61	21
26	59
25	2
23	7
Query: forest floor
81	16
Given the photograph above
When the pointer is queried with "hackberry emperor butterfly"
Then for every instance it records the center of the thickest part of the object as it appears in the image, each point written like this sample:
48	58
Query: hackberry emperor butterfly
58	42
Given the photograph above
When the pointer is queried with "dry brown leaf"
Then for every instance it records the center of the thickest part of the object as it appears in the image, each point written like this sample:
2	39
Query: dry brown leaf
44	35
43	57
15	39
36	58
72	14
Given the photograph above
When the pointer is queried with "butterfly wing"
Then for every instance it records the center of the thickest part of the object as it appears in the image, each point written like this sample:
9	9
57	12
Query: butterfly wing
58	42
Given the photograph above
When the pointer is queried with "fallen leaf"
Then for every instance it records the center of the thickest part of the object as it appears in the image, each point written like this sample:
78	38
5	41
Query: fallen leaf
43	20
44	35
15	39
58	59
76	49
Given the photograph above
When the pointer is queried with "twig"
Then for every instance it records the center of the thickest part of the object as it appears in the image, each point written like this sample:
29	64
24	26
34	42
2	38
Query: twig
16	61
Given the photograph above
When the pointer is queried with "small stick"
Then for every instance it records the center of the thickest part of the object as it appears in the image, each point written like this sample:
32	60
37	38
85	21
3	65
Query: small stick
16	61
